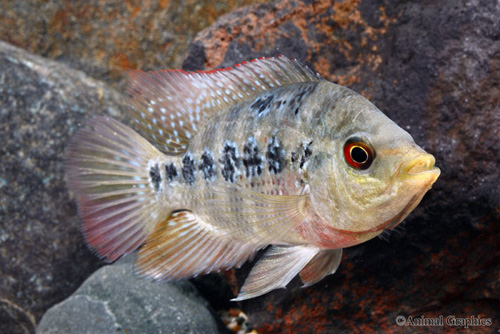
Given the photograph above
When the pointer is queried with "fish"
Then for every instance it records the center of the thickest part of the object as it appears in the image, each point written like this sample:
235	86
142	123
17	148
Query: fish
266	155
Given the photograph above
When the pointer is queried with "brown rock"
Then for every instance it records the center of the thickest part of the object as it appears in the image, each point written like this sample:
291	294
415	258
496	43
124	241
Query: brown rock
434	68
103	38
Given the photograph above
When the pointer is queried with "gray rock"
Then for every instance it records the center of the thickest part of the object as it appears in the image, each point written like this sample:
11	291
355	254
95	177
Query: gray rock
43	256
114	300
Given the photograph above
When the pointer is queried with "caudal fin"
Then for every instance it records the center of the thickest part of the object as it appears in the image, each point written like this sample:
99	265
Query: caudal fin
108	167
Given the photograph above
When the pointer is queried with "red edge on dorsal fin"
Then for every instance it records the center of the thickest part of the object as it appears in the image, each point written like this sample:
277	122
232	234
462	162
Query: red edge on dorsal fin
132	73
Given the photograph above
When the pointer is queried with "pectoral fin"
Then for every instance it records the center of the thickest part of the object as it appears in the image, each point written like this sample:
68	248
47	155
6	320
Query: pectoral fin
324	263
278	266
256	218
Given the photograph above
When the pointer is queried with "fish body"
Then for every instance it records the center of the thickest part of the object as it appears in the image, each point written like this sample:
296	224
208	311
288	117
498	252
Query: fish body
229	162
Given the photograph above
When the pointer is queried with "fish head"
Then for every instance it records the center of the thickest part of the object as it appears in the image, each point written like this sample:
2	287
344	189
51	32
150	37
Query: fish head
377	174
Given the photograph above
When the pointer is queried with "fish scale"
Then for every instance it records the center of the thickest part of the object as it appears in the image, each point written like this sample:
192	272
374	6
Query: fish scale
231	161
243	121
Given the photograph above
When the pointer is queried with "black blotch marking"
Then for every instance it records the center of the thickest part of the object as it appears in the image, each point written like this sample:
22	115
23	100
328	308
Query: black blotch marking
262	103
171	172
230	162
252	159
207	166
307	154
275	156
155	175
295	157
188	169
297	99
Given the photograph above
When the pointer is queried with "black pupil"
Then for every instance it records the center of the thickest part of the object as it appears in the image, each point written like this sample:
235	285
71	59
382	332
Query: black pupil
359	155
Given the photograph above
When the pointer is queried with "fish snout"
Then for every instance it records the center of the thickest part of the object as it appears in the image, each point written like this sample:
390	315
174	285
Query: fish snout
421	165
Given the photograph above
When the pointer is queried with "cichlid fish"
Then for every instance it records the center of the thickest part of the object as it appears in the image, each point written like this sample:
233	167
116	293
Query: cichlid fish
231	161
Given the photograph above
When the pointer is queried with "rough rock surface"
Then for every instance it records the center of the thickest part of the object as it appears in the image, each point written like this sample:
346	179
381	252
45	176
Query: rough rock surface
43	255
434	68
114	300
103	38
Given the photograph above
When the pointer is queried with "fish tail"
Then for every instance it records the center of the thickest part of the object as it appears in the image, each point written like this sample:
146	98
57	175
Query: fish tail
108	167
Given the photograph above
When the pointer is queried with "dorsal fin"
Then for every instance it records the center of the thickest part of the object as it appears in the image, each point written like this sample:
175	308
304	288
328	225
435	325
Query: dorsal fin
169	105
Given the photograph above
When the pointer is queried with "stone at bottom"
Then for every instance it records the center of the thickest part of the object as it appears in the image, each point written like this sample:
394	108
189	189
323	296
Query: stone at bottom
114	300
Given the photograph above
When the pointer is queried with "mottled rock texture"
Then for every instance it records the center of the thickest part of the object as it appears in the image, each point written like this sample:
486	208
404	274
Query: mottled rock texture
105	37
114	300
43	255
434	68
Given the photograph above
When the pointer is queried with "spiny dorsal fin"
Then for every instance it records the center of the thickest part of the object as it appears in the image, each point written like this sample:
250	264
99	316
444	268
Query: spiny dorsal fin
168	106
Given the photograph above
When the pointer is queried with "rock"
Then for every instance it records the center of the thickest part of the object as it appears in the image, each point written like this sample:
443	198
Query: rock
114	300
104	38
43	255
434	68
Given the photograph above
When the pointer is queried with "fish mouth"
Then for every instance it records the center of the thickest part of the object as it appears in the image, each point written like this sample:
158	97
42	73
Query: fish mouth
420	167
419	173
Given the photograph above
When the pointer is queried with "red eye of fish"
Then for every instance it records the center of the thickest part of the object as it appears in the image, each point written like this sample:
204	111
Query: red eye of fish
358	154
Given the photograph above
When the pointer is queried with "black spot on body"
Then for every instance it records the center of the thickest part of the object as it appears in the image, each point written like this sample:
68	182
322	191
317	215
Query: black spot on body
295	157
188	169
170	172
207	166
230	162
307	154
155	175
252	159
262	103
275	156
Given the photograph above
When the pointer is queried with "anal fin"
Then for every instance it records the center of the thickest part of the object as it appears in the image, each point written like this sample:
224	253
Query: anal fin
278	266
324	263
183	246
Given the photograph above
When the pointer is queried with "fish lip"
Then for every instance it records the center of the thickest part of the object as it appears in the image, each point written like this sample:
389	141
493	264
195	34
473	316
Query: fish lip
418	168
421	164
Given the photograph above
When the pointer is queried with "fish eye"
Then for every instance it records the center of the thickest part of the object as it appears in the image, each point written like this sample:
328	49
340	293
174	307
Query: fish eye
358	154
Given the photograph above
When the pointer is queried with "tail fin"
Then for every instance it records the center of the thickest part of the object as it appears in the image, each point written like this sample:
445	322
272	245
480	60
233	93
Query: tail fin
107	167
